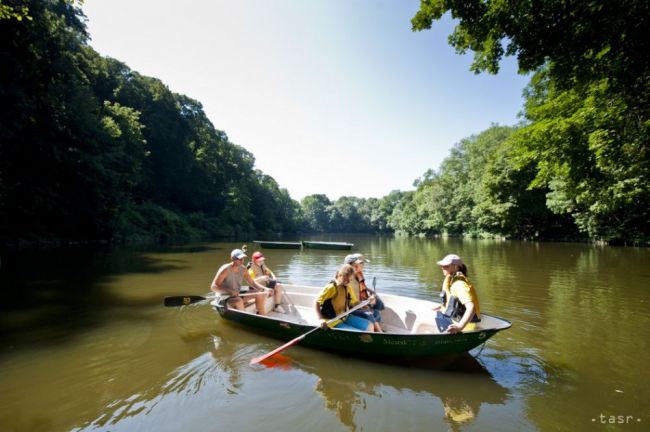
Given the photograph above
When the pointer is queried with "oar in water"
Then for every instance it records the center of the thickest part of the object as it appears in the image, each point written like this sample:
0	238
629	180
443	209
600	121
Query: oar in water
172	301
301	337
185	300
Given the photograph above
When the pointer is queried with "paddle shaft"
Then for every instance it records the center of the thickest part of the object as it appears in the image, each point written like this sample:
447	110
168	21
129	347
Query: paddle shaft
172	301
302	336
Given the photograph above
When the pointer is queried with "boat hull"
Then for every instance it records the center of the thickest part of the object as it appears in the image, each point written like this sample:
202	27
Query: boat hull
361	343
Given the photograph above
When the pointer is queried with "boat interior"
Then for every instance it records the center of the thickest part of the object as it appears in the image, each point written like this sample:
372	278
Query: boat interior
402	315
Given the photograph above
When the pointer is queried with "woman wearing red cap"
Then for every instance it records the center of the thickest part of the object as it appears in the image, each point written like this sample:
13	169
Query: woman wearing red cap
264	276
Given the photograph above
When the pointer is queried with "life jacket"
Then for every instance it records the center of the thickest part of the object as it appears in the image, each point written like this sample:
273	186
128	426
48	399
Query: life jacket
249	266
365	294
454	308
327	307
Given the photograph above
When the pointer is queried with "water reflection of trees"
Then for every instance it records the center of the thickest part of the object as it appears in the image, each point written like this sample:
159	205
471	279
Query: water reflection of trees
347	384
50	296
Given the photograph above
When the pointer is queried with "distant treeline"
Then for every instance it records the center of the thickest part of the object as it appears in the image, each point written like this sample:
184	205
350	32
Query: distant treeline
92	150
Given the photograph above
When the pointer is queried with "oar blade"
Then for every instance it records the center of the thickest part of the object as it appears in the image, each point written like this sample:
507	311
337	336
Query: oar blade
172	301
291	343
279	360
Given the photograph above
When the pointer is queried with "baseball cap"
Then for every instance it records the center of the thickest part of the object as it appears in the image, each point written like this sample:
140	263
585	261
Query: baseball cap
349	259
258	255
450	259
237	253
361	258
355	258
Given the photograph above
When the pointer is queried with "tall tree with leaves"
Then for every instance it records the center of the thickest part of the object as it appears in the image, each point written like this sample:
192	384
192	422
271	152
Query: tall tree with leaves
314	209
91	150
587	103
50	126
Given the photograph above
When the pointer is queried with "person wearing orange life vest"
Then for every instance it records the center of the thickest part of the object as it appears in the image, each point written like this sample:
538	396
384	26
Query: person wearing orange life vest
460	302
361	291
264	276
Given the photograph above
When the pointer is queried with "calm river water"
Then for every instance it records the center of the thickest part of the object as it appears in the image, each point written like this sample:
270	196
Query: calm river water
88	346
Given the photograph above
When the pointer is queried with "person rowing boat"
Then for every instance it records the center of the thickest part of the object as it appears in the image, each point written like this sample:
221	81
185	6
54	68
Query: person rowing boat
230	278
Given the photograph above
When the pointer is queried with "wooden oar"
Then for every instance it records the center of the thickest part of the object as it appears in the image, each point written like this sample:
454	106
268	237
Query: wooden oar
301	337
172	301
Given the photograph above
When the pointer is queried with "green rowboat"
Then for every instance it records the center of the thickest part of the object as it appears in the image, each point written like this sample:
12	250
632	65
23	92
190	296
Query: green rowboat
327	245
278	245
410	328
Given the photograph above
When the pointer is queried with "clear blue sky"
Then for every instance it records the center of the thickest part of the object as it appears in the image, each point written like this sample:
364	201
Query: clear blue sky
331	96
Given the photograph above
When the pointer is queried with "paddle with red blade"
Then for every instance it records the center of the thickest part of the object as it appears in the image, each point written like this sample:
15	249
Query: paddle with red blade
292	342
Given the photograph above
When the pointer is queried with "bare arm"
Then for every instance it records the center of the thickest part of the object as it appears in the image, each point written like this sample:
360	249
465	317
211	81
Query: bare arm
321	318
469	313
443	297
252	282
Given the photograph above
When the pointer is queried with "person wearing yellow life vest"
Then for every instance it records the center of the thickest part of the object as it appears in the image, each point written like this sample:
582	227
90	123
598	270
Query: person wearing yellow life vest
460	302
264	276
336	298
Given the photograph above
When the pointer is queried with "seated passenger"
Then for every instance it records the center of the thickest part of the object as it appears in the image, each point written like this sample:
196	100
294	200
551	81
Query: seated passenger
264	276
361	291
460	307
336	298
230	278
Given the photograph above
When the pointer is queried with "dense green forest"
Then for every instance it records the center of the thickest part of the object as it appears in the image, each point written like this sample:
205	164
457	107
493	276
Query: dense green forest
581	154
92	150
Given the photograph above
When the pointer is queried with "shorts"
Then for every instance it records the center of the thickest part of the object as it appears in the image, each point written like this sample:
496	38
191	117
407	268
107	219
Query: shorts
442	321
353	322
372	315
271	283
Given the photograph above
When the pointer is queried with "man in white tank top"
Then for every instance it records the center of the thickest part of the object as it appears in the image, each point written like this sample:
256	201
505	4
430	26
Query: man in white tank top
230	278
